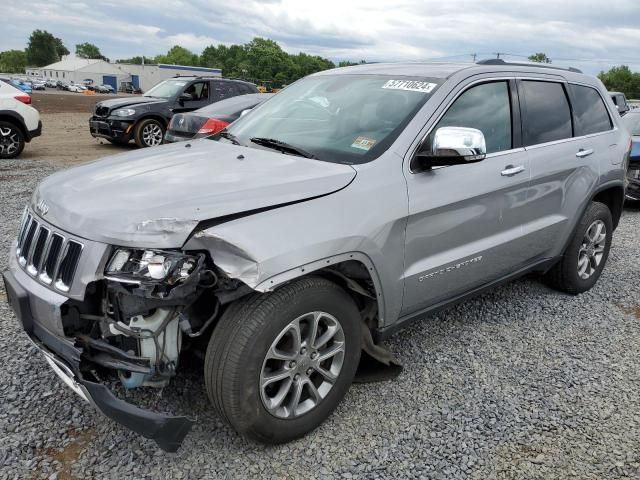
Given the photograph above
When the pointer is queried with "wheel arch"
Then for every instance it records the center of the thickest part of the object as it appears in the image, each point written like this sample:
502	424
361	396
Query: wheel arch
612	195
152	116
353	271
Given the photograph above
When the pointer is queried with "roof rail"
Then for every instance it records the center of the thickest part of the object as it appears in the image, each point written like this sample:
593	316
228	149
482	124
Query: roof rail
500	61
177	75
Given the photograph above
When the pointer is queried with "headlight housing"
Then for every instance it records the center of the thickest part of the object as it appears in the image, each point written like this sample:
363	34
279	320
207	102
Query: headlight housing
150	266
124	112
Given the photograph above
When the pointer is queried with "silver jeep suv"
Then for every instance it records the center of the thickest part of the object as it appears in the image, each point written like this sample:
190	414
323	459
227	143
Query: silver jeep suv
284	249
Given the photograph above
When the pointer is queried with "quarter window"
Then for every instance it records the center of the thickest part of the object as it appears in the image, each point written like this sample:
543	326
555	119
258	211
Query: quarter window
589	110
487	108
546	116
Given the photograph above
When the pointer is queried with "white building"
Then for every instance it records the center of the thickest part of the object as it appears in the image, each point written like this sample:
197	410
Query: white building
77	70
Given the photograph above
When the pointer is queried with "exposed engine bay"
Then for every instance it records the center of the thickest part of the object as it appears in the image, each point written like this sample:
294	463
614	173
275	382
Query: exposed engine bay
140	316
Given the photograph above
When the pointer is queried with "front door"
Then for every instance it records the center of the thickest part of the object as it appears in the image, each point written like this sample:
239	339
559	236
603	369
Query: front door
199	92
464	226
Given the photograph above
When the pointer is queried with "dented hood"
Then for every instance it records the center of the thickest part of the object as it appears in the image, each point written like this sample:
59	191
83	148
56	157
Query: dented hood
155	197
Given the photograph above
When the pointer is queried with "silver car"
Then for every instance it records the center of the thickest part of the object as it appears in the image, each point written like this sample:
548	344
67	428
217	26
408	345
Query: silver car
285	248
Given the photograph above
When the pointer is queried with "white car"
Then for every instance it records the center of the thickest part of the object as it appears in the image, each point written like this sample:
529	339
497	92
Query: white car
76	88
19	121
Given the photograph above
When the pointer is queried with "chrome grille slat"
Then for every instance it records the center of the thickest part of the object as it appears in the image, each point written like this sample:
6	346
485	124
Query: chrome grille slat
46	254
52	259
67	266
35	257
26	245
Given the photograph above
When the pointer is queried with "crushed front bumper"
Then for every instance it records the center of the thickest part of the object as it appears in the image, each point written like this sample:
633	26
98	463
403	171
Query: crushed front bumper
65	357
113	129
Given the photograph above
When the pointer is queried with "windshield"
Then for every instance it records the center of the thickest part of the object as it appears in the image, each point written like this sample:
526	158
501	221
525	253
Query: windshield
167	89
338	118
632	122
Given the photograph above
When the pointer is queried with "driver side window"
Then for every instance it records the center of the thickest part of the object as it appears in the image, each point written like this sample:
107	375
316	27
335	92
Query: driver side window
198	90
486	107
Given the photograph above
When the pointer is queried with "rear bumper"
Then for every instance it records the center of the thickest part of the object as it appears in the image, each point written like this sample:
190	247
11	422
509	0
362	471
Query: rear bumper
170	137
101	127
35	133
65	358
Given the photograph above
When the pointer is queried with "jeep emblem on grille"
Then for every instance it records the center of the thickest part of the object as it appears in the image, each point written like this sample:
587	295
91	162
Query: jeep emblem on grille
42	207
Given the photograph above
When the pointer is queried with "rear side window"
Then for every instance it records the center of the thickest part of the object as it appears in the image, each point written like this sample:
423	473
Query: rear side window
589	110
546	116
487	108
224	90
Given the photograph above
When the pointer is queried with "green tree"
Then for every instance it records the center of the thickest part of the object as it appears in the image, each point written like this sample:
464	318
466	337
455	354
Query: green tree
60	48
178	55
89	50
137	60
13	61
539	57
43	49
622	79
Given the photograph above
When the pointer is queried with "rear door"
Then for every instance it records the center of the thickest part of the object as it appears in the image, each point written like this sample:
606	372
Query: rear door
564	158
464	224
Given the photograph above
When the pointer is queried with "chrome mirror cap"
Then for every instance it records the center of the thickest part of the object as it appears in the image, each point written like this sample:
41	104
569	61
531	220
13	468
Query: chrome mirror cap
466	143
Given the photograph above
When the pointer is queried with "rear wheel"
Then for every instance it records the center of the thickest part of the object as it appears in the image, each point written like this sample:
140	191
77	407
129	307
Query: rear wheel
11	140
149	133
278	364
586	255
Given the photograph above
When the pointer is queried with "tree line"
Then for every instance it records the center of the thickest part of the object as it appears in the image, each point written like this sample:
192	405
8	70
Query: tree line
260	60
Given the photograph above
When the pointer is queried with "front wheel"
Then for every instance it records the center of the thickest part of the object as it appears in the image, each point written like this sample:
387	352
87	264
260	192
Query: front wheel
278	364
149	133
11	140
587	253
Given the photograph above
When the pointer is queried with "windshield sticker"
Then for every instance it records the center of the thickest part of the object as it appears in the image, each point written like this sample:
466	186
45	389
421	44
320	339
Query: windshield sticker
410	85
322	101
363	143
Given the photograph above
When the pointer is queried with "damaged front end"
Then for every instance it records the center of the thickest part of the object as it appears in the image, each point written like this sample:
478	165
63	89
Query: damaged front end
130	327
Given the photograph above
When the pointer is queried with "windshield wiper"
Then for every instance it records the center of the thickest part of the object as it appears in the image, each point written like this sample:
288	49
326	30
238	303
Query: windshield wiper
230	136
282	146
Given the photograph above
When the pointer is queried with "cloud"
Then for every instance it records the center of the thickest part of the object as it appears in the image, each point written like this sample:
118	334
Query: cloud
591	34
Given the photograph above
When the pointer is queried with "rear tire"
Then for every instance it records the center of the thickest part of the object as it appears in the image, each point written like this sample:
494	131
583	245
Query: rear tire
11	140
587	253
149	133
255	342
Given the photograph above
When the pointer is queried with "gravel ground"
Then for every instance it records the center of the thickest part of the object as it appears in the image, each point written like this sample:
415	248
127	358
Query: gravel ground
522	383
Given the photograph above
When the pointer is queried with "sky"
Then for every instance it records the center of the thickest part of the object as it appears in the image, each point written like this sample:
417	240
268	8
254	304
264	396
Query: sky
591	35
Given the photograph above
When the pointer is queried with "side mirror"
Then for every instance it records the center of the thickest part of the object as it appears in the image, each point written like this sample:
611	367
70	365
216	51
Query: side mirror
185	97
452	146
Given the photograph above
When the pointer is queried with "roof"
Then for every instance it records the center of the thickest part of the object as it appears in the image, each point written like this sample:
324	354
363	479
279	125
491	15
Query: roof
445	70
423	69
72	63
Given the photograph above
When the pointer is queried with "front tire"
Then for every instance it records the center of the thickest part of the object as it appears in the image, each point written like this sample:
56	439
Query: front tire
278	364
149	133
11	140
587	253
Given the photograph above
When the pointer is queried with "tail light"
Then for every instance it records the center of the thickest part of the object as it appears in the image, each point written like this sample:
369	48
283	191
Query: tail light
26	99
212	126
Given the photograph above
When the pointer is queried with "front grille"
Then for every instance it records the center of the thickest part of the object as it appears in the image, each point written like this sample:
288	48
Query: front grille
47	255
102	111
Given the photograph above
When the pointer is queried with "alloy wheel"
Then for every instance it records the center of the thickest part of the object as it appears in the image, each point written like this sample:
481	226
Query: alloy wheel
302	365
592	249
152	135
9	140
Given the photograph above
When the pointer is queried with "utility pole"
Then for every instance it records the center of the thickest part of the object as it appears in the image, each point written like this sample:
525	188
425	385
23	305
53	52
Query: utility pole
473	55
498	54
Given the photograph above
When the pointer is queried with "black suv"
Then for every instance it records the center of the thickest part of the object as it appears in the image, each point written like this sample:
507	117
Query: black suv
145	119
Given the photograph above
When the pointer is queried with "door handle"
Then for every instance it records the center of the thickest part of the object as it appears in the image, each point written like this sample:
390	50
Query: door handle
510	170
584	153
